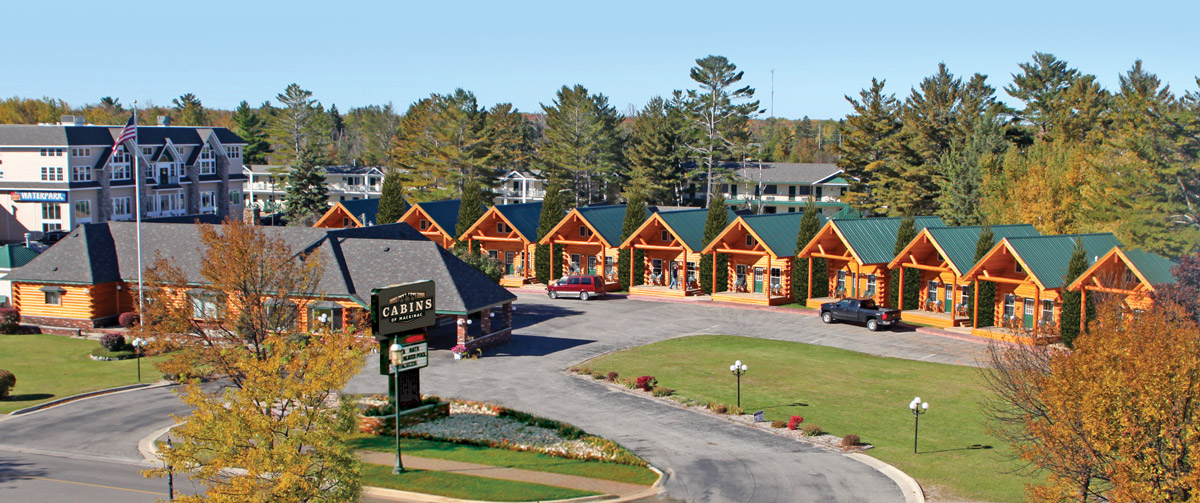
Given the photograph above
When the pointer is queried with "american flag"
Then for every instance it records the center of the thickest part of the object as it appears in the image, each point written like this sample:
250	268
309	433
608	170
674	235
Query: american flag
129	132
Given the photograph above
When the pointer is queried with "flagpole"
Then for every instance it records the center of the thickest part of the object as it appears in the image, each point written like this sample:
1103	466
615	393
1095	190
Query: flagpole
137	195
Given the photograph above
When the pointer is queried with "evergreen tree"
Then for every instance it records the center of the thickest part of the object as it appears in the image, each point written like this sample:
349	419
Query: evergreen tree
248	126
547	261
189	111
986	290
651	152
297	124
460	142
1060	102
809	226
962	188
718	114
508	148
1069	324
718	219
912	280
337	133
413	152
635	216
470	209
582	142
306	195
391	198
865	147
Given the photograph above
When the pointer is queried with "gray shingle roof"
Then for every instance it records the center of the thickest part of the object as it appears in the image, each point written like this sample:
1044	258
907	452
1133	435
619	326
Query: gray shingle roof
788	172
54	136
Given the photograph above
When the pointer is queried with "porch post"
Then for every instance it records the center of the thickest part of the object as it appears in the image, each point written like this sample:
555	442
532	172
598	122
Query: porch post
953	296
461	322
857	273
810	260
900	286
507	317
632	266
975	310
768	288
485	321
1037	307
713	288
1082	307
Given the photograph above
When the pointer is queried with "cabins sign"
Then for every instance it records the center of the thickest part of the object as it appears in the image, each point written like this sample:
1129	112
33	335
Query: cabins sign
402	308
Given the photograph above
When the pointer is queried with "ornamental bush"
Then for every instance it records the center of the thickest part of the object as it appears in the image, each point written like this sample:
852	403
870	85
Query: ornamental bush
646	383
10	320
113	342
662	391
778	423
612	376
128	319
849	441
794	422
812	430
8	381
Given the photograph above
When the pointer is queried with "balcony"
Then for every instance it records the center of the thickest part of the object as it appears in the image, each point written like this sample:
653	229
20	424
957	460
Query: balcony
517	194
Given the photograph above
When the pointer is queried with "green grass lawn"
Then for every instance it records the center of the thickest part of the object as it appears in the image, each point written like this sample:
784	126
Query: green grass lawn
53	366
454	485
507	458
846	392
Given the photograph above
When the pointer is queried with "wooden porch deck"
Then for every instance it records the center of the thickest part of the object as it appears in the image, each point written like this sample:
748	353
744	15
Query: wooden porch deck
759	299
1017	336
514	281
815	302
941	320
662	291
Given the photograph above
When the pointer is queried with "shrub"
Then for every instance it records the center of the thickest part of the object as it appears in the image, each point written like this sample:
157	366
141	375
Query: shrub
113	342
121	354
629	383
850	440
811	430
662	391
128	319
612	376
583	370
778	423
597	375
736	411
794	422
10	320
719	408
8	381
646	383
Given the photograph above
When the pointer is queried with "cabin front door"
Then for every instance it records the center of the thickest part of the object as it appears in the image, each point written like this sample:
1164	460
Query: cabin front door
758	279
508	262
949	298
1029	307
591	264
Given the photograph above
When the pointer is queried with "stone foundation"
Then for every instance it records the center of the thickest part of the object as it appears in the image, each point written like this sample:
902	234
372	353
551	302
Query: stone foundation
48	322
490	341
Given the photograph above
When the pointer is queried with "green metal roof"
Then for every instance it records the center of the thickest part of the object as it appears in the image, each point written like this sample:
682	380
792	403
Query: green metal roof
837	181
847	212
959	242
14	256
365	209
1048	256
779	231
524	218
874	239
689	225
607	221
1155	268
445	214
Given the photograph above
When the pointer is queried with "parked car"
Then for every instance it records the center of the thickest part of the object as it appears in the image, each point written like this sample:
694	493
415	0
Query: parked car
859	311
584	287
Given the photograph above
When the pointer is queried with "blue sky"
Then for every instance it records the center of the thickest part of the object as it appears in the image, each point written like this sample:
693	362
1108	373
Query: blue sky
355	53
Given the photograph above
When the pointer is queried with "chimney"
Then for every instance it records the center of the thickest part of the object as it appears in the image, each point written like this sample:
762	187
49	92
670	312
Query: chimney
72	120
164	120
28	238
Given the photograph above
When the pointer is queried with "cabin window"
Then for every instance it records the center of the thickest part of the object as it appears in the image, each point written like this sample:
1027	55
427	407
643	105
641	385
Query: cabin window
741	275
1018	269
749	240
345	221
206	305
1128	276
1047	311
656	266
965	295
494	254
281	314
584	231
665	236
1010	305
502	228
423	225
776	278
608	266
691	272
53	298
841	281
575	258
871	281
931	295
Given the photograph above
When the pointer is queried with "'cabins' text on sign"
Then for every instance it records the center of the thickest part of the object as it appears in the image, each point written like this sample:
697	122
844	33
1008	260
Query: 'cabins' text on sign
403	308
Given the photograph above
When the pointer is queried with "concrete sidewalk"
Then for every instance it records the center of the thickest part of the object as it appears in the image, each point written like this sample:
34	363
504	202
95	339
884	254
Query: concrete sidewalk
618	489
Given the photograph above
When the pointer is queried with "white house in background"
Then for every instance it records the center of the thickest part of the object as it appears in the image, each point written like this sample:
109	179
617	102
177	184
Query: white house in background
56	176
780	187
265	185
11	257
520	186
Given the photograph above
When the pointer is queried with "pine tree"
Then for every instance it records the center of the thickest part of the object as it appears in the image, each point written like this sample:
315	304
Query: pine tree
391	198
190	111
508	147
413	152
1069	324
651	152
986	290
548	262
866	147
306	195
470	209
297	123
718	219
581	142
904	235
810	225
718	114
635	216
248	126
460	142
959	202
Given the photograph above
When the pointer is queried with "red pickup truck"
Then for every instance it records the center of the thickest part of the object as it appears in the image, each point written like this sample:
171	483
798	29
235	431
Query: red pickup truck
584	287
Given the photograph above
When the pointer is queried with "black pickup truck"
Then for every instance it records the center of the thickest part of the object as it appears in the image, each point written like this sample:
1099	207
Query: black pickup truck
859	311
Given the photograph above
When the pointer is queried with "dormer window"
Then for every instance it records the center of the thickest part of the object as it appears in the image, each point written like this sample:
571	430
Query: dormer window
208	161
423	225
503	228
665	237
749	240
1018	269
584	231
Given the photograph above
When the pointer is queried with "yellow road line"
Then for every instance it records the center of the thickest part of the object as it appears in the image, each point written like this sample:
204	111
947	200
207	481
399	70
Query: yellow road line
93	485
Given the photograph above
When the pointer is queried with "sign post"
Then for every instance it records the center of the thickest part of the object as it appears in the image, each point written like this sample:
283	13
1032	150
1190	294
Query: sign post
400	315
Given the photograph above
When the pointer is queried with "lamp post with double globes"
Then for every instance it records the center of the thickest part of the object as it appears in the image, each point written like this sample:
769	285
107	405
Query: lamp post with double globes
917	407
397	351
738	368
138	344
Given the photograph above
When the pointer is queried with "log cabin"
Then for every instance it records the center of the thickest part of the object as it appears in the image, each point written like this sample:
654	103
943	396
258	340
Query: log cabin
857	251
761	250
1127	277
940	256
590	237
671	242
90	277
1029	274
353	213
508	234
436	220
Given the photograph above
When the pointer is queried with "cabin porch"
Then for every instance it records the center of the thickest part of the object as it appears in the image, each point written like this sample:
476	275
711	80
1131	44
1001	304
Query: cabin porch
759	299
662	291
815	302
936	319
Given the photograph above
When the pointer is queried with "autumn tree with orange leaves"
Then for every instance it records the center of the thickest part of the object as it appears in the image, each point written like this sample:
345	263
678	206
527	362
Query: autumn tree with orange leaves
1117	419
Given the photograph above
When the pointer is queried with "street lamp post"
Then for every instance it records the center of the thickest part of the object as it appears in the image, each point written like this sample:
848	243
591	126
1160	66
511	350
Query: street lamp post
138	344
738	368
917	407
170	476
397	351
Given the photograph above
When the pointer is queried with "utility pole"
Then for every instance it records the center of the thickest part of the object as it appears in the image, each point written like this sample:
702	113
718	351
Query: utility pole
772	93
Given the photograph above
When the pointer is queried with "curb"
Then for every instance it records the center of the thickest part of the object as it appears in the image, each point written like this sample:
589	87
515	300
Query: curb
148	448
89	394
909	486
415	497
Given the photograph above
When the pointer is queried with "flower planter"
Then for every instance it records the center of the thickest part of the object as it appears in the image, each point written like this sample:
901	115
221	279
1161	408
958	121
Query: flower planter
457	356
